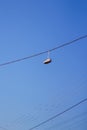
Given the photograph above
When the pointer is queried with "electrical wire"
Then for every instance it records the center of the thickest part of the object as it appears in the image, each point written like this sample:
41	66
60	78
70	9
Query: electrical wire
37	54
59	114
70	122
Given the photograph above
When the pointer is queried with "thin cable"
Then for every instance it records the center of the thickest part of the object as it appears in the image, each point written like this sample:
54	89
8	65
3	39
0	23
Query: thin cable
57	115
34	55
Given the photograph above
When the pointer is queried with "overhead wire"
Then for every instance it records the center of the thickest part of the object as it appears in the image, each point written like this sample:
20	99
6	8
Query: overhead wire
37	54
70	122
59	114
21	121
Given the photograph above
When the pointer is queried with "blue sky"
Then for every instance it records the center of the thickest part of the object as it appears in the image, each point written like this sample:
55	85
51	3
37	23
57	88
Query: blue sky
31	92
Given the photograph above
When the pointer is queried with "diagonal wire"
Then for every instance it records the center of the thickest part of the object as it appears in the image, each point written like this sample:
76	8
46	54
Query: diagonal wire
57	115
37	54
